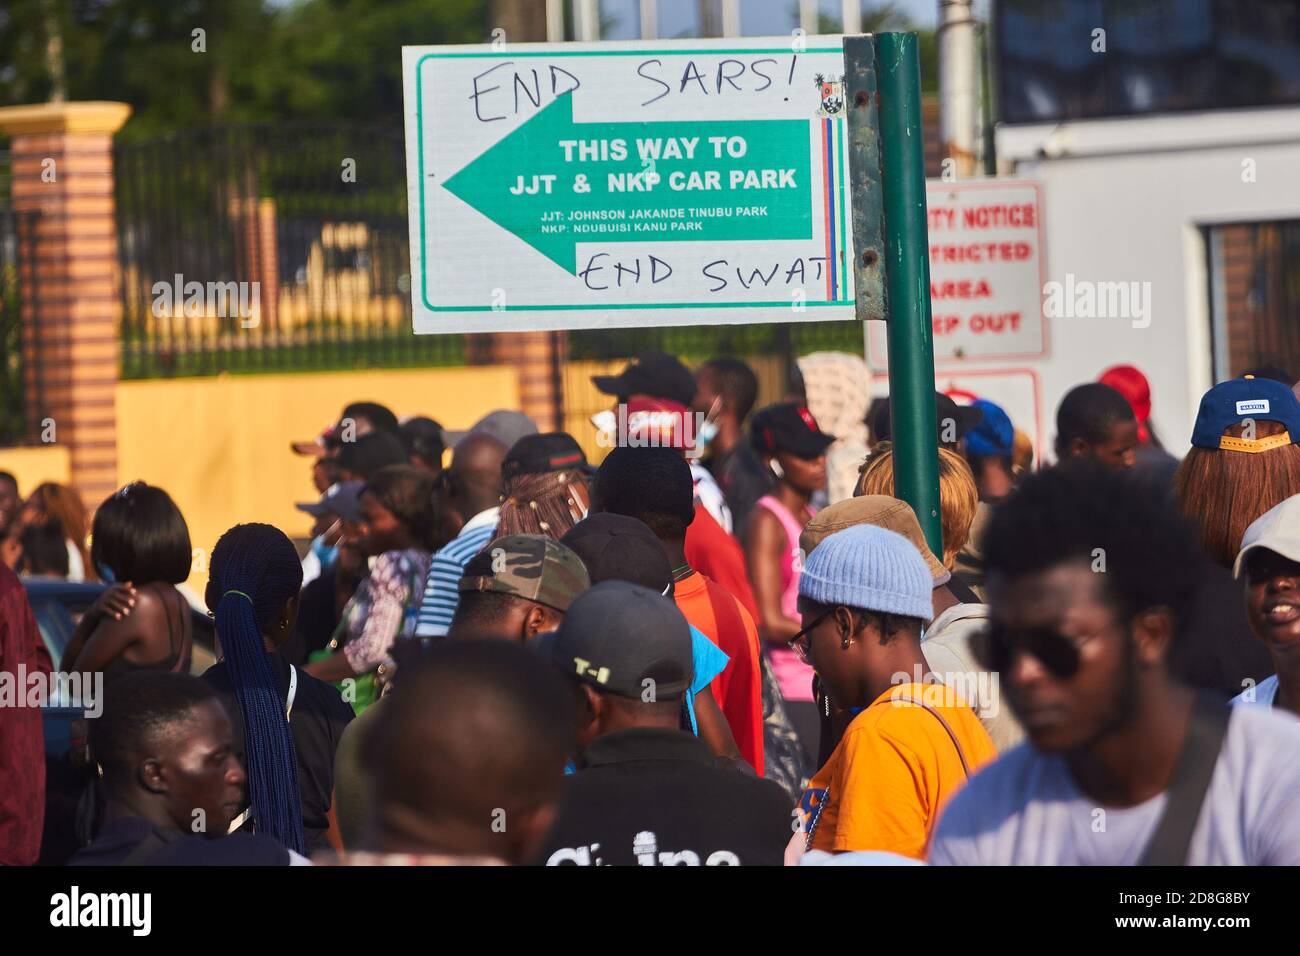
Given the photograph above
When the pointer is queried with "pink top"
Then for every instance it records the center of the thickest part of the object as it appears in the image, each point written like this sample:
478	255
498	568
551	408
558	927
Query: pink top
792	675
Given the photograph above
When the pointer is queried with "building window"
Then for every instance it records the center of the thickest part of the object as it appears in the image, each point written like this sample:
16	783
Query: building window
1254	273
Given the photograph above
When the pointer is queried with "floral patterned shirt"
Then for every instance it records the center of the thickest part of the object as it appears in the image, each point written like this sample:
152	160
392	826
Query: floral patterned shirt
384	607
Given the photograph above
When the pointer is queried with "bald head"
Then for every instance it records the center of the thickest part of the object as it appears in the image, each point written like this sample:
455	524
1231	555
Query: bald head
487	712
475	474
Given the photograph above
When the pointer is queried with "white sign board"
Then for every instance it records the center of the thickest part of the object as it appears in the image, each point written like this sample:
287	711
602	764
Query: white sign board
986	272
585	185
1017	390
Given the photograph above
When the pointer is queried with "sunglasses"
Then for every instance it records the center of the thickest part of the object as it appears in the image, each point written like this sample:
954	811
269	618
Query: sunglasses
801	643
996	647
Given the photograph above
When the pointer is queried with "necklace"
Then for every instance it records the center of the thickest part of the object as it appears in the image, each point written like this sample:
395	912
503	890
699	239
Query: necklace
684	571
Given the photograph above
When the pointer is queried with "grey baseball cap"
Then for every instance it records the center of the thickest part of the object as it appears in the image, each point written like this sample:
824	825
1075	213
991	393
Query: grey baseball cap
505	426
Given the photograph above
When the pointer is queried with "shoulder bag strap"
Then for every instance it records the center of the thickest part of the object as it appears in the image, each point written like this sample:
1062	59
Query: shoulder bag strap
1206	729
961	755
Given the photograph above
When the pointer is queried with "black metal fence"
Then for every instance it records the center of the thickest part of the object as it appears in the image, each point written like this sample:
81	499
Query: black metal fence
285	248
20	379
267	248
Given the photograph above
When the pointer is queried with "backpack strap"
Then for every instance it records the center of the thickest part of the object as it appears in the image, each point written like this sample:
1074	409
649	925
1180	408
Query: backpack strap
1206	728
158	838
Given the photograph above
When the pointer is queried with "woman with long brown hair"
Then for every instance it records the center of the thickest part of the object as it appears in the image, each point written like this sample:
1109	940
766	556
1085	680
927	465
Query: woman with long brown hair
1244	460
62	506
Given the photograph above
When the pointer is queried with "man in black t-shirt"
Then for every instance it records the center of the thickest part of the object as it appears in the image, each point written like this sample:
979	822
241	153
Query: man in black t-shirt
165	746
318	715
645	792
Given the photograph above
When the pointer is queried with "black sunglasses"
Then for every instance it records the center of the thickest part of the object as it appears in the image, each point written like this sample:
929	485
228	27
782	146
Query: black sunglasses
801	642
996	646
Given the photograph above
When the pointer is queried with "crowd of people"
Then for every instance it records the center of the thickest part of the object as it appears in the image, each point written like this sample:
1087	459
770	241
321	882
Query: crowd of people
728	643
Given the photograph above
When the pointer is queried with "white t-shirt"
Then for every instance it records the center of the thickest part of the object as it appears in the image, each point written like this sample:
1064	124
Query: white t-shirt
1265	694
710	495
1024	808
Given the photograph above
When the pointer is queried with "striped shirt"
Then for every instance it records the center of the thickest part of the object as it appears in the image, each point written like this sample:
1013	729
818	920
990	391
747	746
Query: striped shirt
442	587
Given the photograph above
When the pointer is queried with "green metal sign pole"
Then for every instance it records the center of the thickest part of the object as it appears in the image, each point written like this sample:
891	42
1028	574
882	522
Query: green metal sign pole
900	194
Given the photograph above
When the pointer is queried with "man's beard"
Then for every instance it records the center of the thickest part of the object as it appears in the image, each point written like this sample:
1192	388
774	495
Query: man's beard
1124	703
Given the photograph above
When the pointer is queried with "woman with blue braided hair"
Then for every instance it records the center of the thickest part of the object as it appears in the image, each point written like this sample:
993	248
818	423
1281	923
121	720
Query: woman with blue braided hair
287	723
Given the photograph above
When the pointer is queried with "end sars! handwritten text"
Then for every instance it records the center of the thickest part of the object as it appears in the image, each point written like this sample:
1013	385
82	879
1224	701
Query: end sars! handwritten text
496	95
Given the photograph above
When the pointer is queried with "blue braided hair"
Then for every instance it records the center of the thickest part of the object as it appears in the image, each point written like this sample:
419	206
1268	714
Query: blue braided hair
254	570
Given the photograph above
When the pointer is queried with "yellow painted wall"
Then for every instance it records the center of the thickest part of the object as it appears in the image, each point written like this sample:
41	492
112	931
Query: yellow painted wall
220	446
36	464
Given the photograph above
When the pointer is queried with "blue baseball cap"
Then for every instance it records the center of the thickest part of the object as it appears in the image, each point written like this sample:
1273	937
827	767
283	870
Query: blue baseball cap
1242	399
994	436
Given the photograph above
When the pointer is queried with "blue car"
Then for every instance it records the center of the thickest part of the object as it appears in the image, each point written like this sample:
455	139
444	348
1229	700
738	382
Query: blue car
58	605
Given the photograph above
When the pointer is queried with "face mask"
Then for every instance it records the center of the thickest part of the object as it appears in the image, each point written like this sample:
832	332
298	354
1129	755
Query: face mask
708	429
105	573
324	553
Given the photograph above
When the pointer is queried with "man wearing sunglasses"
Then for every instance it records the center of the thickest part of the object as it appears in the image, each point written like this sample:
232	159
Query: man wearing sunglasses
863	597
1090	575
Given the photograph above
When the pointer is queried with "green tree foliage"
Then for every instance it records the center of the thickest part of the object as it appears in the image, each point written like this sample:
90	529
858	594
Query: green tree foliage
261	59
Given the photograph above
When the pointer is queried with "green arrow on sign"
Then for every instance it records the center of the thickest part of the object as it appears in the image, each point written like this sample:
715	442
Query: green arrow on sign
555	183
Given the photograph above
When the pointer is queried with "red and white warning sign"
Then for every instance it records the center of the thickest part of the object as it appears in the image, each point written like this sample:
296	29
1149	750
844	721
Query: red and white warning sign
986	272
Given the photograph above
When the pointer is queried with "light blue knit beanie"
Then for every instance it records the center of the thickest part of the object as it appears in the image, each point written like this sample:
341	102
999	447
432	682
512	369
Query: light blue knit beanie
871	568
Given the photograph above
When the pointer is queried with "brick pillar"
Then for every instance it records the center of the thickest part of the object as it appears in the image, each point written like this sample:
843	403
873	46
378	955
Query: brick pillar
256	258
537	356
62	167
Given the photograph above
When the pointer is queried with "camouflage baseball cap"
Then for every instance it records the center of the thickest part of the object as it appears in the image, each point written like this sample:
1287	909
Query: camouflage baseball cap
531	566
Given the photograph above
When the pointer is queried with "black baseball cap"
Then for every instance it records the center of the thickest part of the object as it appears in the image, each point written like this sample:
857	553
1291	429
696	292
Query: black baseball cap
656	374
618	636
539	454
788	427
424	437
381	417
964	417
370	452
620	548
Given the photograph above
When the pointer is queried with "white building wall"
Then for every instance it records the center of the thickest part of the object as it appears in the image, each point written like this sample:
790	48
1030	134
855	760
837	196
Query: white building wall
1123	201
